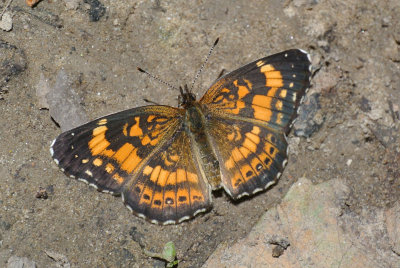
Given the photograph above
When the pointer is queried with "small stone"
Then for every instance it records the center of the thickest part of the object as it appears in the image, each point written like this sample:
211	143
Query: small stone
6	21
71	4
42	193
376	113
290	11
365	106
96	10
277	251
20	262
61	260
322	43
386	21
310	118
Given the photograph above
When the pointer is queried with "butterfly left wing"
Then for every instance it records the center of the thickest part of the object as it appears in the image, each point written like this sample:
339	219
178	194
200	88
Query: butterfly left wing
142	154
170	187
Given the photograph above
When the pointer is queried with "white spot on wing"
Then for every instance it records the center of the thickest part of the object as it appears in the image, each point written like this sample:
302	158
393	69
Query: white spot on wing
168	222
51	147
260	63
83	180
305	52
294	96
199	211
243	194
269	184
185	218
129	207
257	190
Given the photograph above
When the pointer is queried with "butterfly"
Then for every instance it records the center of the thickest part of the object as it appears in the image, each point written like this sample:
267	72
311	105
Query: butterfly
166	161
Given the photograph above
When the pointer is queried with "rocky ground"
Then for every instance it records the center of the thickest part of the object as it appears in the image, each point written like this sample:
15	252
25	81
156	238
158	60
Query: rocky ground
337	203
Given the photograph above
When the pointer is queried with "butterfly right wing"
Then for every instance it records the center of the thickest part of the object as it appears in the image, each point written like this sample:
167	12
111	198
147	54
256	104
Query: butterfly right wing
249	111
251	157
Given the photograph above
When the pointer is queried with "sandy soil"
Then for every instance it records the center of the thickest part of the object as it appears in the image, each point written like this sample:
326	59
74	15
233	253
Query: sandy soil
355	50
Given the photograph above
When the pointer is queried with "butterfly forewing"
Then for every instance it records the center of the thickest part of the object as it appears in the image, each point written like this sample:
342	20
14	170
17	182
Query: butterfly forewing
268	90
107	151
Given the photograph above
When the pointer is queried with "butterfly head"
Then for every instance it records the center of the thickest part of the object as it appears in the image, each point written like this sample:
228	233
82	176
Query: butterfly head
187	98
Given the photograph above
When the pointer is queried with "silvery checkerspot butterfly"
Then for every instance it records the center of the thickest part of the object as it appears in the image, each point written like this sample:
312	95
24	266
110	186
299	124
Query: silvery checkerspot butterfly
166	161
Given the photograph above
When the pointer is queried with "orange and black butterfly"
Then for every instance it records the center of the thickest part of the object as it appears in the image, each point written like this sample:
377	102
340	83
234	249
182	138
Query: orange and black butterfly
166	161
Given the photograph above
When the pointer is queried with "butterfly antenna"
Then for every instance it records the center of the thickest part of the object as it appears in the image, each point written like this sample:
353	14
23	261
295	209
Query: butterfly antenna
157	78
204	63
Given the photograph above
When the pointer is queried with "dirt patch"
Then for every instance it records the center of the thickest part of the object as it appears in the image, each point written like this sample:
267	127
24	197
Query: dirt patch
355	51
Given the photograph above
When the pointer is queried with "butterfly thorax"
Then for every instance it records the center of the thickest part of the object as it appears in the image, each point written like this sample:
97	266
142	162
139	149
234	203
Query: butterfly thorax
196	128
187	98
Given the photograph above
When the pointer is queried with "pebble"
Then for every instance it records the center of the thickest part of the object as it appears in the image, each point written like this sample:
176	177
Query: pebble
6	22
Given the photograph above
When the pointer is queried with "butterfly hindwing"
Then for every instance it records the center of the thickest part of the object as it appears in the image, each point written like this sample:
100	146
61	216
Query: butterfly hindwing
251	157
169	188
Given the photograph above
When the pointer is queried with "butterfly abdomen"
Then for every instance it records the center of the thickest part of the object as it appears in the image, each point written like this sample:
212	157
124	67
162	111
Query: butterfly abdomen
195	125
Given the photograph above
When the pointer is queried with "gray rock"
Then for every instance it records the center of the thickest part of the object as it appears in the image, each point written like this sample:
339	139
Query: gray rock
64	104
20	262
